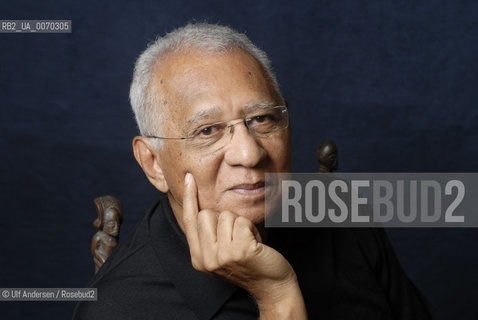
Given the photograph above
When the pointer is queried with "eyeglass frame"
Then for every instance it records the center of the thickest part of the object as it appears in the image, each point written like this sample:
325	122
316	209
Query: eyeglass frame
228	126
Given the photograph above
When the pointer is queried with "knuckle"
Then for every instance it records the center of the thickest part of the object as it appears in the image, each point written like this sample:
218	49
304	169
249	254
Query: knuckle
205	214
203	217
187	220
238	255
211	265
196	264
225	215
224	258
228	213
243	222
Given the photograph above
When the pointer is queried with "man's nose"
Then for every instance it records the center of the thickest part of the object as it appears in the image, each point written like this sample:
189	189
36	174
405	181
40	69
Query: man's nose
243	149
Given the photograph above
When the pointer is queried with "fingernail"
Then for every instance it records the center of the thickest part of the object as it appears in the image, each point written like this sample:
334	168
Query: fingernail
187	180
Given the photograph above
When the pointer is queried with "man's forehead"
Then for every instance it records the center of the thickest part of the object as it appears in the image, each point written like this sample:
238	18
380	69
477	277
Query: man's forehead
196	65
196	84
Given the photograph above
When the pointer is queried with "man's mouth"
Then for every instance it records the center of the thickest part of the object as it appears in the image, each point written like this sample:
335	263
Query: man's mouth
249	188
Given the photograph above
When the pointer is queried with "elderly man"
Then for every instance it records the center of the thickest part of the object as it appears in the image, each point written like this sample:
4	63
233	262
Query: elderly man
213	122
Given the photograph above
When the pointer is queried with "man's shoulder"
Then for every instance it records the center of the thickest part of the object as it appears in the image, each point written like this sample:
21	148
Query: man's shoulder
132	283
132	286
134	247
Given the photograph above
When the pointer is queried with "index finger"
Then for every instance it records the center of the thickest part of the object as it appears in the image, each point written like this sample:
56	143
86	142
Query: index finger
190	211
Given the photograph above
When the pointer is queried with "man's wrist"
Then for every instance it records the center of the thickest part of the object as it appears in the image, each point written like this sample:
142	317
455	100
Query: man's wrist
284	301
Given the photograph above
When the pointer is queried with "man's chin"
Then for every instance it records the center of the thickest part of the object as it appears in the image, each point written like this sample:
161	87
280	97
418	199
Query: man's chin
255	213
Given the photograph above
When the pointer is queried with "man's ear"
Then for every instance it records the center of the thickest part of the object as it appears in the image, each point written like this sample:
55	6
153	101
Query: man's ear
148	158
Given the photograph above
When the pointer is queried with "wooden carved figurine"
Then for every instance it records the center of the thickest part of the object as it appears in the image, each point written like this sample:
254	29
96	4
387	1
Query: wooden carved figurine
110	216
327	156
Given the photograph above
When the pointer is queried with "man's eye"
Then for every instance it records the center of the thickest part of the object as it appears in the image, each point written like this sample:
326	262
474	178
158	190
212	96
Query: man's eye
209	131
263	119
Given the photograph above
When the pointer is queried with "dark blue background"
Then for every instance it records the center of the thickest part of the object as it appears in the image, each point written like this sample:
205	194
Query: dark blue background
394	83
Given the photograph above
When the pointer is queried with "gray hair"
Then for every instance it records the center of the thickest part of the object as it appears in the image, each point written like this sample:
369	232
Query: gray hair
209	37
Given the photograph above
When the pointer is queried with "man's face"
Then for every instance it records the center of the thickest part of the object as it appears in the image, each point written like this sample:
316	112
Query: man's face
199	88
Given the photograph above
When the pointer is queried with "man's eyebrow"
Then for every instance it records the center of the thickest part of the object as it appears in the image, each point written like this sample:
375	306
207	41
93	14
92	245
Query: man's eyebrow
258	106
211	113
215	112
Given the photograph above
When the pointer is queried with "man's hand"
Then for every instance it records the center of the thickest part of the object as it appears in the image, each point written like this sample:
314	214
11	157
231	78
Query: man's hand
229	246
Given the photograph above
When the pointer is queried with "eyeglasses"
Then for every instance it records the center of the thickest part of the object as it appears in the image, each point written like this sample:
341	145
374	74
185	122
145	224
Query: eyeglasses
261	123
